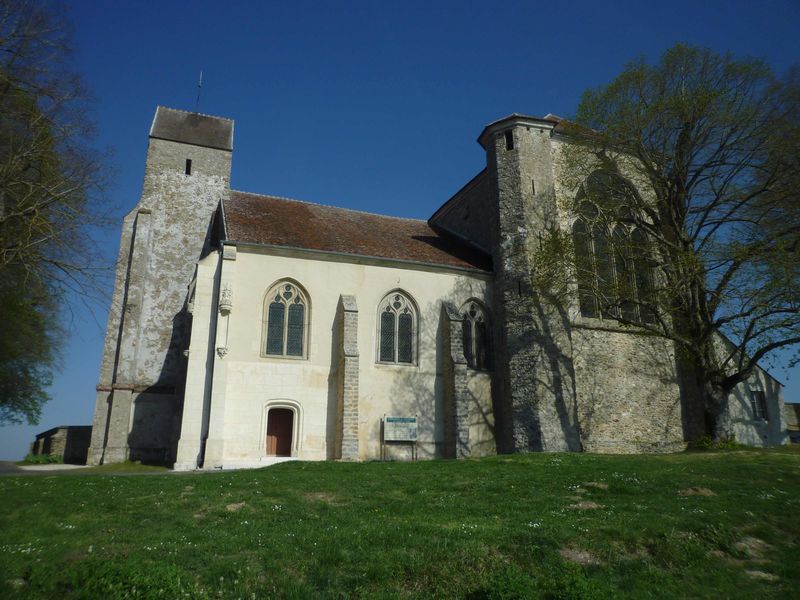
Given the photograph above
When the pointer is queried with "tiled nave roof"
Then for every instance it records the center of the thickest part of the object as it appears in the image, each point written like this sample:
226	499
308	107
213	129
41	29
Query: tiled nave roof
274	221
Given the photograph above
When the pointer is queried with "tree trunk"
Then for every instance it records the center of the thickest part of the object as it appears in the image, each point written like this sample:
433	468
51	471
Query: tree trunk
718	407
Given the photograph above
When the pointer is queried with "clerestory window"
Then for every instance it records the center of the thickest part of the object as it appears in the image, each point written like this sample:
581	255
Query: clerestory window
475	334
286	320
397	329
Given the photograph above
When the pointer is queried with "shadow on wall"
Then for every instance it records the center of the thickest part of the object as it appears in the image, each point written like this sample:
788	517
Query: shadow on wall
157	409
750	428
629	393
421	393
70	443
555	376
334	415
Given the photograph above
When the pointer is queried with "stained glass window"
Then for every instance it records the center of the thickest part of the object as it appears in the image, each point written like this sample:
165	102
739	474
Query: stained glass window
275	328
397	329
387	336
286	321
405	332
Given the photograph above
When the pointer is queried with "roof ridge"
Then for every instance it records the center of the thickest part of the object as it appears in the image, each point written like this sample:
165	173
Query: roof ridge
192	112
355	210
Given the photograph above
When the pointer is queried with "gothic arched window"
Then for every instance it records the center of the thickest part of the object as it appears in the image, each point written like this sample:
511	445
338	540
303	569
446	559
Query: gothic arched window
397	329
475	334
625	274
643	269
286	320
614	271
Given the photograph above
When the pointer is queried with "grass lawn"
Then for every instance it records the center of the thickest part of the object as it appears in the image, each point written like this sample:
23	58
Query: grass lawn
702	525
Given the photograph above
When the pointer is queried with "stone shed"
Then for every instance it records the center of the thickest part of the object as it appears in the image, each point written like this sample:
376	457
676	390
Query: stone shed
69	442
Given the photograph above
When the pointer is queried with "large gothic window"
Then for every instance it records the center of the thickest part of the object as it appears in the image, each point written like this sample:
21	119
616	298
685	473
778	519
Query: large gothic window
475	334
612	258
397	329
286	320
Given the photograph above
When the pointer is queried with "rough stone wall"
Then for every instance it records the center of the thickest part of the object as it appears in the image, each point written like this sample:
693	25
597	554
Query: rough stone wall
182	207
628	395
162	238
348	380
456	388
537	402
471	213
70	443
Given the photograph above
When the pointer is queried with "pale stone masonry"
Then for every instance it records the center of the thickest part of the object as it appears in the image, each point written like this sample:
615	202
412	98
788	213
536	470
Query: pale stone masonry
247	329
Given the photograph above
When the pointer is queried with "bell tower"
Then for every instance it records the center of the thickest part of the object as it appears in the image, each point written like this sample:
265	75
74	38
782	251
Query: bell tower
140	386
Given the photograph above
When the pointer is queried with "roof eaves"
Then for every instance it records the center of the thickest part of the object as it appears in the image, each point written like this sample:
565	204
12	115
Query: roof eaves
494	126
402	261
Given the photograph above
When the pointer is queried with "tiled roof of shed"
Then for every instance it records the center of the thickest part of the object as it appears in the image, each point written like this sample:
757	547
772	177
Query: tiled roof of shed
294	224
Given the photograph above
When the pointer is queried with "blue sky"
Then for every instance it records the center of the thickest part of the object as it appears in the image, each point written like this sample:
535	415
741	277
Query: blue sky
368	105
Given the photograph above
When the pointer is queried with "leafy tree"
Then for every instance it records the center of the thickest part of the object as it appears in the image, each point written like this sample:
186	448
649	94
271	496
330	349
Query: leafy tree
50	179
699	156
28	342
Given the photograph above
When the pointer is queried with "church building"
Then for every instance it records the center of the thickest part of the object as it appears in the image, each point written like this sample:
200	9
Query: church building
247	329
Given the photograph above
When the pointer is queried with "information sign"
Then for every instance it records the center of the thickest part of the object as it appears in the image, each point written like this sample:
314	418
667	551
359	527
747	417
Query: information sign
400	429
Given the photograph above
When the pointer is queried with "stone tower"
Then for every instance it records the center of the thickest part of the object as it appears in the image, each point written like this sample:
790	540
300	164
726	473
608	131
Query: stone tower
537	397
503	211
139	394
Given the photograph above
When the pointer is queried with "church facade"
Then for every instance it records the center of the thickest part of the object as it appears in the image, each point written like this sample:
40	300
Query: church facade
246	329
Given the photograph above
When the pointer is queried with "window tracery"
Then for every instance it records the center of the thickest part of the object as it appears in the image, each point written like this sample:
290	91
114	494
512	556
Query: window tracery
612	256
475	335
397	329
286	321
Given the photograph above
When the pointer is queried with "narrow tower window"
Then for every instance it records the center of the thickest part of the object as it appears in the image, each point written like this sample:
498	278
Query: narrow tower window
533	186
509	140
188	166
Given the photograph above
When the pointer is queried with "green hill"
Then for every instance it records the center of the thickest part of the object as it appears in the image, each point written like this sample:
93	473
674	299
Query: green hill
704	524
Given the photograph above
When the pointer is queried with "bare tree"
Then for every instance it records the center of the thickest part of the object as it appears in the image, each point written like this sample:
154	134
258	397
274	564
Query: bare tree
51	181
685	178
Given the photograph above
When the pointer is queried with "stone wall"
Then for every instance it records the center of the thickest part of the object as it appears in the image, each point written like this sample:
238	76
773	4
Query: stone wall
536	394
470	214
70	443
750	429
319	388
628	395
140	387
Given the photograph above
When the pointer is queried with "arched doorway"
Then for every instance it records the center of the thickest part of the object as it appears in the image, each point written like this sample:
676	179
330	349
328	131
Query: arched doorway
280	425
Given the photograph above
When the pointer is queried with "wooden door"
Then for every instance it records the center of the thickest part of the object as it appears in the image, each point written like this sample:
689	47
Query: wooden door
280	423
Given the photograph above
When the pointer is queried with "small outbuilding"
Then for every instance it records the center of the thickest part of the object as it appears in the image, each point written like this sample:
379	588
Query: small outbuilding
69	442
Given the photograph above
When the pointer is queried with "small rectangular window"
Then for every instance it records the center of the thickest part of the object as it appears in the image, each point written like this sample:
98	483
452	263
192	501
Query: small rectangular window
509	140
758	402
533	186
188	166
